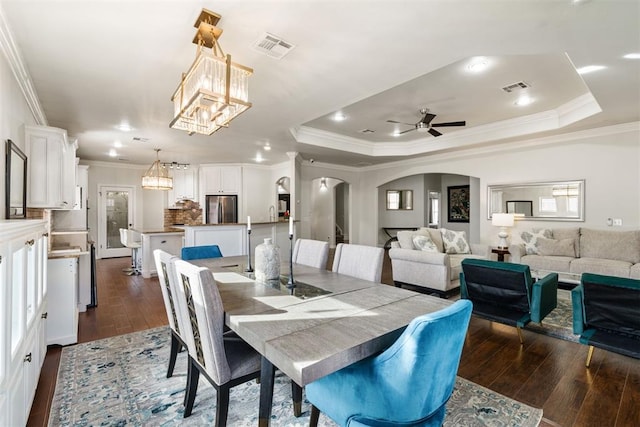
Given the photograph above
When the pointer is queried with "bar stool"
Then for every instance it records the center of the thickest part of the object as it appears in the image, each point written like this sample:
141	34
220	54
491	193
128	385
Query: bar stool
128	239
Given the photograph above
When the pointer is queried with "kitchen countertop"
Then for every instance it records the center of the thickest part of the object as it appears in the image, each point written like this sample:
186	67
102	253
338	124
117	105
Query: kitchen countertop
237	223
158	231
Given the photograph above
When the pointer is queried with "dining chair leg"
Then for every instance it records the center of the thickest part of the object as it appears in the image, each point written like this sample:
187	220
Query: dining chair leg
520	335
589	356
173	355
192	387
222	405
296	394
315	416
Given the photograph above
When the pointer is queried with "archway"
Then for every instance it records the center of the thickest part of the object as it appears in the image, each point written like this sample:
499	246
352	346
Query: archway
330	207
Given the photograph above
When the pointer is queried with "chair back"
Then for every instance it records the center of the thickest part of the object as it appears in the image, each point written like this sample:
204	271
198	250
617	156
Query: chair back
496	283
201	252
313	253
363	262
201	297
168	286
123	237
611	303
419	369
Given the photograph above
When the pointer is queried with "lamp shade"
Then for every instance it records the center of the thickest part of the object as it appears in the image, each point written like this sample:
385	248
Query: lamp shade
502	220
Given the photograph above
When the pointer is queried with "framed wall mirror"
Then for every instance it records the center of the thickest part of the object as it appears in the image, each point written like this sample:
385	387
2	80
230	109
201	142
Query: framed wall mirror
543	201
400	200
15	182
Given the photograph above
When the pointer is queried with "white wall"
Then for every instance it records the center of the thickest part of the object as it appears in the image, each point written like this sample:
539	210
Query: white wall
14	114
148	204
608	159
258	193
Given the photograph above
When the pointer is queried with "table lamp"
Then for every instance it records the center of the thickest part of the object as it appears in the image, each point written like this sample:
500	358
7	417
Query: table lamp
504	221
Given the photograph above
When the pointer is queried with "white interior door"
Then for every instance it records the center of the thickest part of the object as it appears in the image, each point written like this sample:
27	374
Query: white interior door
115	212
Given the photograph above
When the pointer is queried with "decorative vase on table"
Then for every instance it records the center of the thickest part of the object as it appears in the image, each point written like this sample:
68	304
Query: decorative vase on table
267	261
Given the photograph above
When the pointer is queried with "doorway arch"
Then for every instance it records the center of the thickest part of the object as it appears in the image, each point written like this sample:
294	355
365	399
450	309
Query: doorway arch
331	210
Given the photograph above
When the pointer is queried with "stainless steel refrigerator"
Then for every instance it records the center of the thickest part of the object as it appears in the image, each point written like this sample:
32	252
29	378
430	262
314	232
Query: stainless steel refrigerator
222	209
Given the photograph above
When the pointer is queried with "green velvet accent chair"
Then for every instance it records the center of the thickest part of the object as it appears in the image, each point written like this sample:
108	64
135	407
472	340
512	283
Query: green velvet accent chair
408	384
506	293
606	314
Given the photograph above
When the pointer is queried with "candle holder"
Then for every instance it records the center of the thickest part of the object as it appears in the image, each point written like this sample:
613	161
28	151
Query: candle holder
291	284
249	267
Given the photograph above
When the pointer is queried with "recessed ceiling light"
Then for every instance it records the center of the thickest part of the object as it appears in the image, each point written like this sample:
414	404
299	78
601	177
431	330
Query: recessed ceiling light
124	127
259	158
113	153
478	65
632	56
396	133
267	147
523	101
117	144
590	69
339	116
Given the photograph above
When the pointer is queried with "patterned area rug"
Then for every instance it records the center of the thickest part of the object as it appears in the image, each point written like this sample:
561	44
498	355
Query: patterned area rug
558	323
121	381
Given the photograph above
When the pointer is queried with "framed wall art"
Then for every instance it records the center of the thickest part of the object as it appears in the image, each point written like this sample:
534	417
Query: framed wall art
458	206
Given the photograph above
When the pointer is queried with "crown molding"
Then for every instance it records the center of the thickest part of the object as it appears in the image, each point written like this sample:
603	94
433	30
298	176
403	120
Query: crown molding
565	114
20	72
114	165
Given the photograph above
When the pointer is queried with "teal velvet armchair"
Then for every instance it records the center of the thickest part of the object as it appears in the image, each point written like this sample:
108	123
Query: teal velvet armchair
606	314
506	293
408	384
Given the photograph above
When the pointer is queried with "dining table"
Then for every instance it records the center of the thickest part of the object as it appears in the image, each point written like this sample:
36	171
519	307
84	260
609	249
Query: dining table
326	322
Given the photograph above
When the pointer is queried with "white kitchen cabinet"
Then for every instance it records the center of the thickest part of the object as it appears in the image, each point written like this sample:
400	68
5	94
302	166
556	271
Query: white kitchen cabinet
185	186
62	284
170	242
51	168
220	179
23	302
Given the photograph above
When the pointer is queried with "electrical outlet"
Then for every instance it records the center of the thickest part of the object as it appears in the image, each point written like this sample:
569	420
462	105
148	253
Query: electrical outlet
617	222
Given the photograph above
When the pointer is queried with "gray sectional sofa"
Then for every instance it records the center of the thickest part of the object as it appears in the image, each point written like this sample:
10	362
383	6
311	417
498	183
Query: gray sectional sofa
573	251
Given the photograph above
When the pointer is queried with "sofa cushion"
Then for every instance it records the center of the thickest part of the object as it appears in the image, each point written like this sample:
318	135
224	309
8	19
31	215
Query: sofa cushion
405	239
563	247
530	239
424	243
547	263
607	267
455	242
606	244
568	233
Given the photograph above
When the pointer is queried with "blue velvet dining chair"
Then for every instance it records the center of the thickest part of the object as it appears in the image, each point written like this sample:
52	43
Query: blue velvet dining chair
201	252
408	384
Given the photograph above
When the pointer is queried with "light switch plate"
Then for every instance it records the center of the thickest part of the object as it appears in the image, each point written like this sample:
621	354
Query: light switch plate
617	221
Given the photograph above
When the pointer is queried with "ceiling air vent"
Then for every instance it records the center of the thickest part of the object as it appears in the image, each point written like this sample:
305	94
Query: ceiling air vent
140	139
516	86
366	131
272	46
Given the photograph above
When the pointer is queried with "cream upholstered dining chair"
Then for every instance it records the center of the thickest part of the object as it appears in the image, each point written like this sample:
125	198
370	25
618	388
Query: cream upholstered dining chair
224	362
363	262
313	253
167	278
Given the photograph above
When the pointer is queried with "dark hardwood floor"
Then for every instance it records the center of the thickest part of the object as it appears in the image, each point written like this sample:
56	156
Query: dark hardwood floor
545	372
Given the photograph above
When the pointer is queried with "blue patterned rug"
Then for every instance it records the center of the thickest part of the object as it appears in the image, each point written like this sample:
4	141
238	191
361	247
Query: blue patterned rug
121	381
558	323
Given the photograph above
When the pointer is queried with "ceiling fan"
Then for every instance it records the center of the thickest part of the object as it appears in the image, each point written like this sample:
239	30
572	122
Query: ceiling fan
425	124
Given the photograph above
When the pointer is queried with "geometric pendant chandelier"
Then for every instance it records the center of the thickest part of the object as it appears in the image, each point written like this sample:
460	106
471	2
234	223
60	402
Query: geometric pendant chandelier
157	176
215	90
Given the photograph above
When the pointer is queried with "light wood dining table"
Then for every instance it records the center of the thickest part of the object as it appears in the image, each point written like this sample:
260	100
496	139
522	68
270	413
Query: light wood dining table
310	337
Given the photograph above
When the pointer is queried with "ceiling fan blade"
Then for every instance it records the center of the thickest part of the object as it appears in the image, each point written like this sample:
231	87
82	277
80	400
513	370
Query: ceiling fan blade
434	132
462	123
427	118
409	130
401	123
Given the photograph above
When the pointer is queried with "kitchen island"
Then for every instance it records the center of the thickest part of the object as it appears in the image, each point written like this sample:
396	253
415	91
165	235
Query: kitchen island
169	240
232	238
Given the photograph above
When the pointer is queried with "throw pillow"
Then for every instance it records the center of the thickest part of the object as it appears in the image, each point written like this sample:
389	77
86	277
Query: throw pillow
562	247
424	243
455	242
530	239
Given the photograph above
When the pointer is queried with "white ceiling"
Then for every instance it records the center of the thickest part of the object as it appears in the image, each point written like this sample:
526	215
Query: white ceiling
97	64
